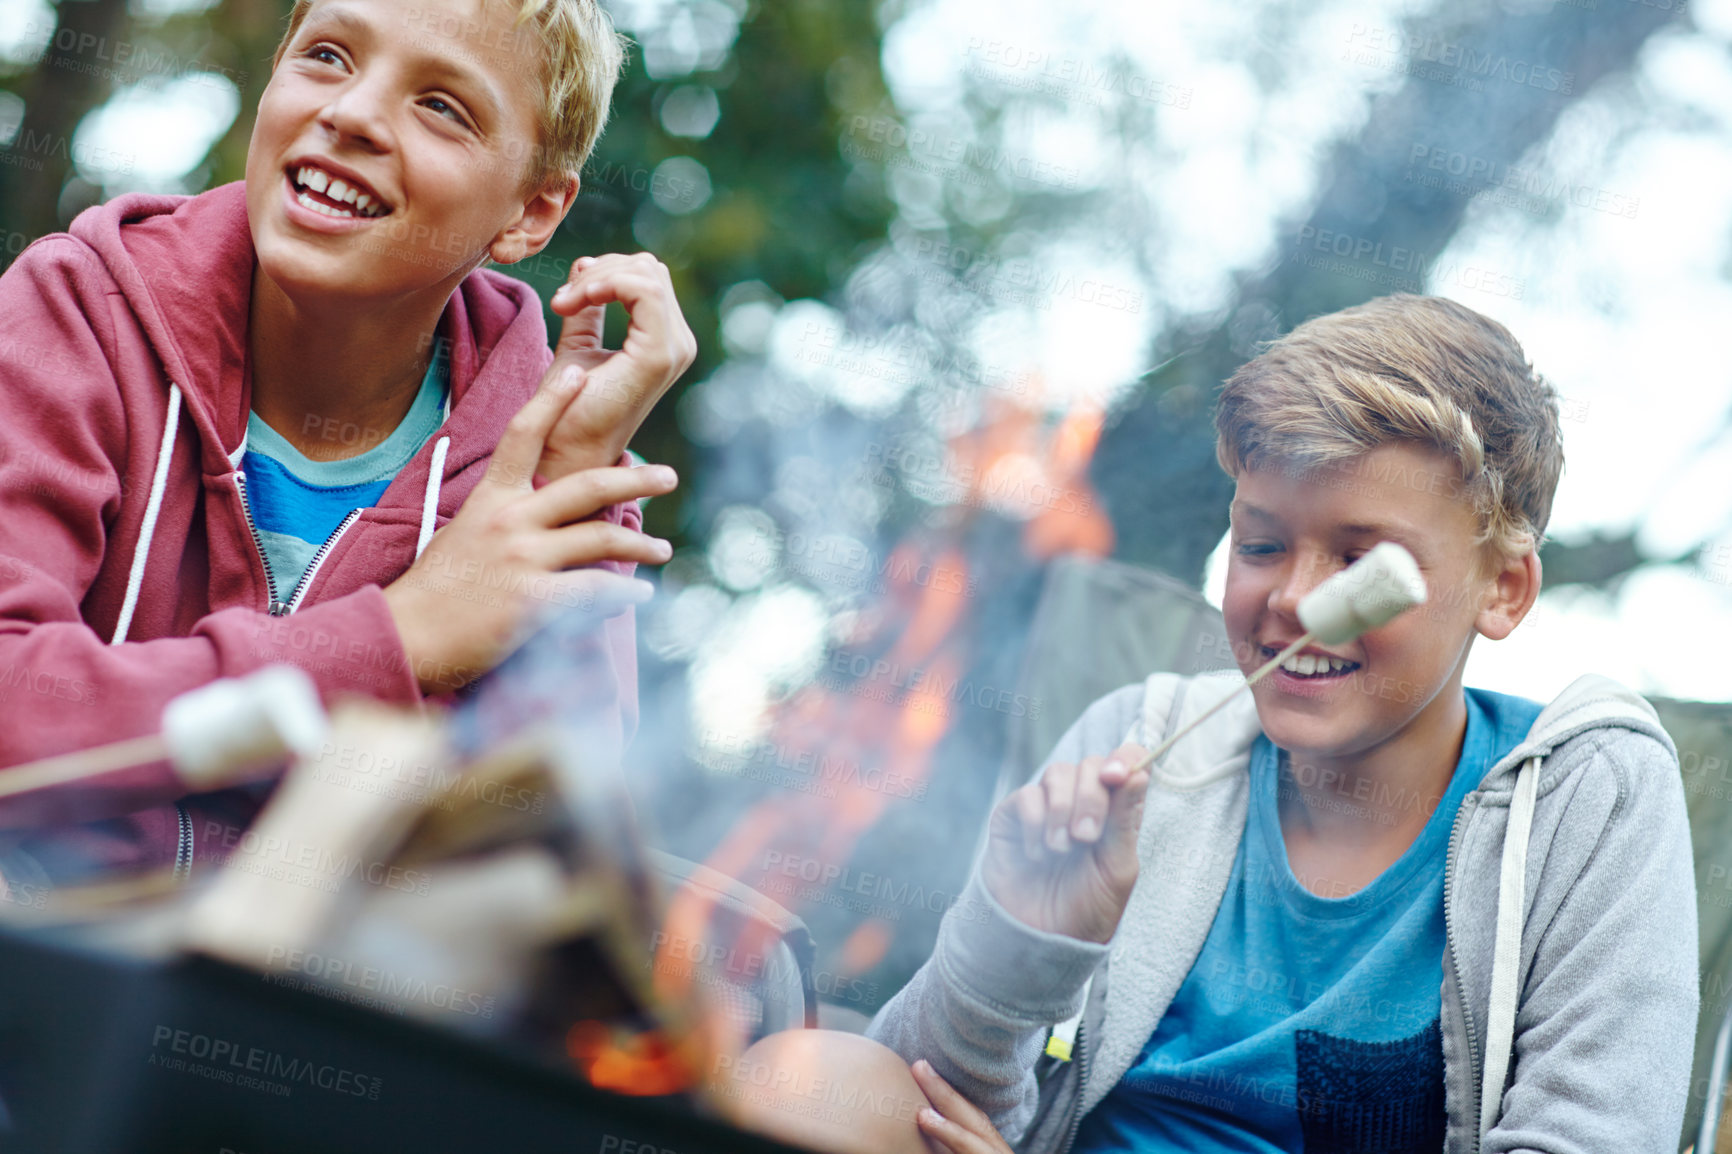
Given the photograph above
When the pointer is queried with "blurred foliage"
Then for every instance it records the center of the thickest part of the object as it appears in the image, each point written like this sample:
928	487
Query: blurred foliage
787	208
1600	559
778	212
252	28
1160	453
99	46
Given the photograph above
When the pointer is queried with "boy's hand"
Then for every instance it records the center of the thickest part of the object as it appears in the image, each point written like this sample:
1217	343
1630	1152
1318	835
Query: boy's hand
622	385
953	1123
460	608
1061	853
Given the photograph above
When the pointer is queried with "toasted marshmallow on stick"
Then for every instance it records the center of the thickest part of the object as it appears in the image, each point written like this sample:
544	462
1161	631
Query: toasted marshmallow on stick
223	731
1368	594
214	735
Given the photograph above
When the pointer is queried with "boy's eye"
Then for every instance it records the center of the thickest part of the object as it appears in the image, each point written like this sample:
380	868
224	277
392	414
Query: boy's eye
1256	549
324	54
445	108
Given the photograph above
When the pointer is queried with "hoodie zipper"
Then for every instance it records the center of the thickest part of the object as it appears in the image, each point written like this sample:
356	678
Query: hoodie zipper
259	547
1473	1067
1080	1049
183	843
299	592
306	581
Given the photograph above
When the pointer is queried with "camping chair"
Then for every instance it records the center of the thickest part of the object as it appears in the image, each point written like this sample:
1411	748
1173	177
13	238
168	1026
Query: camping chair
1703	733
1136	621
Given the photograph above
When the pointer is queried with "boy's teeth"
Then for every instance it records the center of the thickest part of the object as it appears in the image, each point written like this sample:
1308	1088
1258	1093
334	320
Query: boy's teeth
1307	664
320	181
309	202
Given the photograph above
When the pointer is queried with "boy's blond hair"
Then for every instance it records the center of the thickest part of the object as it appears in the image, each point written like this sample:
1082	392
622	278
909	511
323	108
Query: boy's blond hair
1405	368
582	57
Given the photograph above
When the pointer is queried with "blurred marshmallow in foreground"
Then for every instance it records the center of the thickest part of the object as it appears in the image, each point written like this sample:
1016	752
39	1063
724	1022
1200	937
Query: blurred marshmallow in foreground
216	735
233	726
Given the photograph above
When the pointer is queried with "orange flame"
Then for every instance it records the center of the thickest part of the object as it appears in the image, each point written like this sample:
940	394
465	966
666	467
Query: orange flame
896	730
865	947
1074	522
643	1064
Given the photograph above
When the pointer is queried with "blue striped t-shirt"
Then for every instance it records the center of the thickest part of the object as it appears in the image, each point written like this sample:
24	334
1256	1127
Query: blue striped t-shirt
297	503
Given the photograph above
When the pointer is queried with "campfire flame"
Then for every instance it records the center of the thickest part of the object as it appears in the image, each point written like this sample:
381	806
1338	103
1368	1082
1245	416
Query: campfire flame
1012	465
642	1064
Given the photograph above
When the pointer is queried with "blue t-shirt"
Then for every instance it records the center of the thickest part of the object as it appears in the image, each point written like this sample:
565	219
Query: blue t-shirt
1310	1022
297	503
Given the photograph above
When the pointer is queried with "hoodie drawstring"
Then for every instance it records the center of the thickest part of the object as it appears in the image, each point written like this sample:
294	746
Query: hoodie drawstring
1507	950
430	502
158	485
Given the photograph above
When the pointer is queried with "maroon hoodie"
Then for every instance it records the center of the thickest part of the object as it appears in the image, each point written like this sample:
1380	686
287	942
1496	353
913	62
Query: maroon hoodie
94	326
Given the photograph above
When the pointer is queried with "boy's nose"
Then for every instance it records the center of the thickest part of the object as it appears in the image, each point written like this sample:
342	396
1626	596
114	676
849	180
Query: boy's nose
1300	578
356	115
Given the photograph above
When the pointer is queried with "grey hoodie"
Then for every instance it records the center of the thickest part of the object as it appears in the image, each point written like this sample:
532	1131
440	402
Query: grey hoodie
1607	973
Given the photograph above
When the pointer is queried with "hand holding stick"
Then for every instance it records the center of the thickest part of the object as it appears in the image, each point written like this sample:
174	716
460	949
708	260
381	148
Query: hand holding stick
1369	593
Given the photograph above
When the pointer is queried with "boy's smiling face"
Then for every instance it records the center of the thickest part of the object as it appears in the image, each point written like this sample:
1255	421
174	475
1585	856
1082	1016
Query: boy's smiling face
430	113
1292	529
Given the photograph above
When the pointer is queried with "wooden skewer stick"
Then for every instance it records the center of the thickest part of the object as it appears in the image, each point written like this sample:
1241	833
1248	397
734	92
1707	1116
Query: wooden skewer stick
86	763
1154	755
1369	593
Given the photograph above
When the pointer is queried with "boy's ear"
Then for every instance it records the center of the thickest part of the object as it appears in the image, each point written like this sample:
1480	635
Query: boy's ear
1510	593
543	209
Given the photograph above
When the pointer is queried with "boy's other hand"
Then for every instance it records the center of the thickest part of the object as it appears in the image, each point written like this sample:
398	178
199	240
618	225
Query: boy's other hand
1061	852
461	608
621	385
953	1123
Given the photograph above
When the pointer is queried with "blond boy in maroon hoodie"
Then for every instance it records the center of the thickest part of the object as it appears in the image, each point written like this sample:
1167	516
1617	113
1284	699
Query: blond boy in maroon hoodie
146	356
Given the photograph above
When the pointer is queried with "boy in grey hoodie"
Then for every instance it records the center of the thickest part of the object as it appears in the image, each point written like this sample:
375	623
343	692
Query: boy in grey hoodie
1364	908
